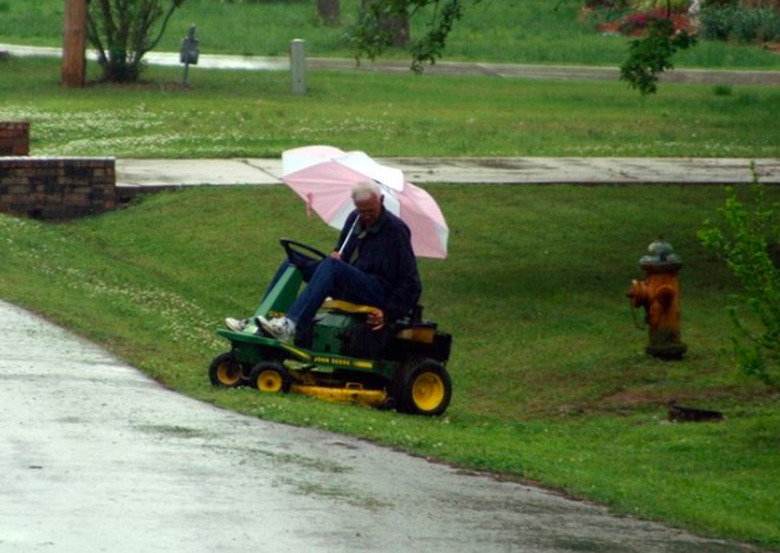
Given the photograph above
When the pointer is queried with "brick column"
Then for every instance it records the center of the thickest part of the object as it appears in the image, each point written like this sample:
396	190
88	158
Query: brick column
14	138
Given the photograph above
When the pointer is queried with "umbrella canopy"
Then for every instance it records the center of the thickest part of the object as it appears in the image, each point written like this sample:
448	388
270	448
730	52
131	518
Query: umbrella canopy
324	176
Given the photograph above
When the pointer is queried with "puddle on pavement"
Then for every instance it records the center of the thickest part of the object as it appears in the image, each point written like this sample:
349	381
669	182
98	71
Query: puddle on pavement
261	457
335	492
587	546
309	476
174	431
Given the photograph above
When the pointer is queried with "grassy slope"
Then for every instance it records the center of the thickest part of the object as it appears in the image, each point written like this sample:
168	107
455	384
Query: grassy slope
551	381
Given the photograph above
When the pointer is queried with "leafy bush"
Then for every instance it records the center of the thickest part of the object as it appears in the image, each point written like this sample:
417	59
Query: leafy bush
722	90
381	20
650	56
716	21
122	33
641	20
737	22
746	239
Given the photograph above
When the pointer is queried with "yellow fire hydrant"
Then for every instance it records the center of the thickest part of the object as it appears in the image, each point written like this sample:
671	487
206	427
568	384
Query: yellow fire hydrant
659	294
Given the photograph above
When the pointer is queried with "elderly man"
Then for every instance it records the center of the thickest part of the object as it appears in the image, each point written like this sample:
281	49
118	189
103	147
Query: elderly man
376	267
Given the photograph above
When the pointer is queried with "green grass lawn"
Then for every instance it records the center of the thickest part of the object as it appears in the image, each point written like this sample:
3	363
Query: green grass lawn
253	114
551	382
513	31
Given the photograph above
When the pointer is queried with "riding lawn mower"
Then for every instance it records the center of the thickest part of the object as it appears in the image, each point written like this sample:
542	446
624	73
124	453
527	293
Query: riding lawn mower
339	357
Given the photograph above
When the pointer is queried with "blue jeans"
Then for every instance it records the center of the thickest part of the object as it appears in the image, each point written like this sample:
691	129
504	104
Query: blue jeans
337	279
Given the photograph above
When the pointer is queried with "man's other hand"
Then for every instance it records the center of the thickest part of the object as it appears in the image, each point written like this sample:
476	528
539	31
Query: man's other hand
376	319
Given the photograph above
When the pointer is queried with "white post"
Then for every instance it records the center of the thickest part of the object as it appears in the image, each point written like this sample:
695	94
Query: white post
298	65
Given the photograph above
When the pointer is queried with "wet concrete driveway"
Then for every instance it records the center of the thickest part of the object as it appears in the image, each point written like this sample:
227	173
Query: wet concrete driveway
94	456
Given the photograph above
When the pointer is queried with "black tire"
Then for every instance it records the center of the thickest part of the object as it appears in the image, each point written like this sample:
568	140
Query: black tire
425	389
270	377
226	372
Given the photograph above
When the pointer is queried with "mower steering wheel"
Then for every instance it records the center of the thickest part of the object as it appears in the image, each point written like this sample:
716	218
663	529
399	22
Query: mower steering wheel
294	253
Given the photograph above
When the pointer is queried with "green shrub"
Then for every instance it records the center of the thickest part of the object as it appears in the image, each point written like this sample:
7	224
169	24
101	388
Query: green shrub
650	56
722	90
716	21
746	239
737	22
754	25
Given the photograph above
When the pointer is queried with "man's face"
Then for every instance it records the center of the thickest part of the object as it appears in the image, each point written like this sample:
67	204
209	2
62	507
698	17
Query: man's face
369	210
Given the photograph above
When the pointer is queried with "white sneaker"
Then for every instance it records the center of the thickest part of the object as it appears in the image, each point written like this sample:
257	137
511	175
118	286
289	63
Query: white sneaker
283	329
235	325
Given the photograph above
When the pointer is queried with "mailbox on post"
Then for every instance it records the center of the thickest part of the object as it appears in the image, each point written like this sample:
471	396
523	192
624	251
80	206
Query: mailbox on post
189	53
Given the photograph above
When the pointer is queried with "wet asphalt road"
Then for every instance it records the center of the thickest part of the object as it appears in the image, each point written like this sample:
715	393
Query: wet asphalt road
94	456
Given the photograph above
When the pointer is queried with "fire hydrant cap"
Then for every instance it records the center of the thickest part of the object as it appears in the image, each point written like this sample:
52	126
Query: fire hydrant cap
660	252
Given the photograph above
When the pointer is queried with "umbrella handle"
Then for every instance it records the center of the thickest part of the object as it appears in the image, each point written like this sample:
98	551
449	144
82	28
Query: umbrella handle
349	234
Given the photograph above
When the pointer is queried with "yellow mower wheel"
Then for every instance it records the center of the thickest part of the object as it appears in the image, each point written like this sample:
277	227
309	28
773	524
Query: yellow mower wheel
225	371
426	389
270	377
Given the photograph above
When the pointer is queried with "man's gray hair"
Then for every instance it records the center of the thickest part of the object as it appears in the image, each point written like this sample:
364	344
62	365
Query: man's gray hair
365	190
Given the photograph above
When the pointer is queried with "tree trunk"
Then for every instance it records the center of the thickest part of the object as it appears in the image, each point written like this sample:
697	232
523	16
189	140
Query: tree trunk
330	12
74	43
396	25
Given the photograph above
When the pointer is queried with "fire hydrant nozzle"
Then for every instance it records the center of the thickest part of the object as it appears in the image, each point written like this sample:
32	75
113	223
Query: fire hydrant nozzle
659	294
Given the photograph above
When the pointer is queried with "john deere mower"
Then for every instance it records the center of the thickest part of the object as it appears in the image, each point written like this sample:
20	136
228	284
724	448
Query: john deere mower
340	357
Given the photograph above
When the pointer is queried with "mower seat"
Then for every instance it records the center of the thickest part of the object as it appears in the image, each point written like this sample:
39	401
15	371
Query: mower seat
330	304
347	307
407	328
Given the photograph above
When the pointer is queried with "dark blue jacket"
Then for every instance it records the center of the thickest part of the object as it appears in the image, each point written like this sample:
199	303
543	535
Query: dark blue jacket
385	252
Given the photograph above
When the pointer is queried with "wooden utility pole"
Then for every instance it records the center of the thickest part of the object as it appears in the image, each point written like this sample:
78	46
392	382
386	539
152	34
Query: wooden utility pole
74	43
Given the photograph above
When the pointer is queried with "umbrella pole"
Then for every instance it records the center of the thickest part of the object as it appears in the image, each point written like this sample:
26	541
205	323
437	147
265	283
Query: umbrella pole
349	234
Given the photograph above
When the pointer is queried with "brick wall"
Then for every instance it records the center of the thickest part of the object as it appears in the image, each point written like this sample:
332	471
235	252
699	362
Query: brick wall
14	138
57	188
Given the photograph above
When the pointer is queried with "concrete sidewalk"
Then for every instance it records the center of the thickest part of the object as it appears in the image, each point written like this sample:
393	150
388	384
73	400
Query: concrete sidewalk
154	174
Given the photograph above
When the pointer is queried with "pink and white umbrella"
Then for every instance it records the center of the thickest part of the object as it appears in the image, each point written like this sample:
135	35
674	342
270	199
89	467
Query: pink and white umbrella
324	176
